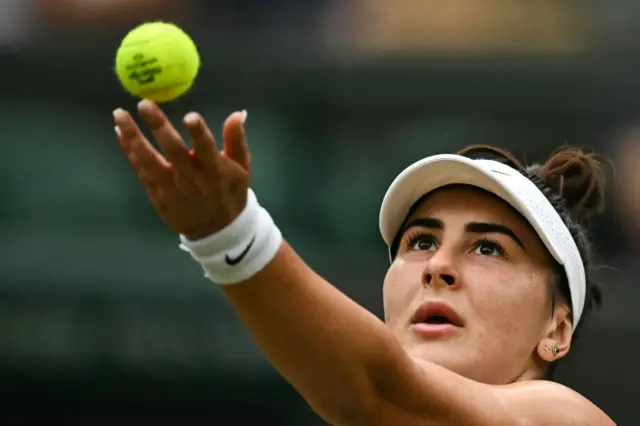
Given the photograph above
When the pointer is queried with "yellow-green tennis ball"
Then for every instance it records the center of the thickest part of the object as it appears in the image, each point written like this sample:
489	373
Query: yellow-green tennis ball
157	61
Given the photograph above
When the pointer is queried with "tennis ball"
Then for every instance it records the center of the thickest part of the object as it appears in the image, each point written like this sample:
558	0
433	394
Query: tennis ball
157	61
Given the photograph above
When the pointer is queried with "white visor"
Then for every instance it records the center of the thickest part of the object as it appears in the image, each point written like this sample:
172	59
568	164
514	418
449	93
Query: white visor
434	172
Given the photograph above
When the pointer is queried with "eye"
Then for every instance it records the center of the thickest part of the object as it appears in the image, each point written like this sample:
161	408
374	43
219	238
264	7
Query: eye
425	242
488	248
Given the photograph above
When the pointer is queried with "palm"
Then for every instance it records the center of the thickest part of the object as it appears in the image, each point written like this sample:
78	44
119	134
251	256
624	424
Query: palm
195	191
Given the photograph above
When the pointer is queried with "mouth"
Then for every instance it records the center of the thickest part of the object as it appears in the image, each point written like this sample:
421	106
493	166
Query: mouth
436	318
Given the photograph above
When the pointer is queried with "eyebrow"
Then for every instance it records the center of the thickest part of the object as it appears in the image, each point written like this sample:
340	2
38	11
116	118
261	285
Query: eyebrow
472	227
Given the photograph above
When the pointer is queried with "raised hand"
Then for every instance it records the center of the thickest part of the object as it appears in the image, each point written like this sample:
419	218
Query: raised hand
199	190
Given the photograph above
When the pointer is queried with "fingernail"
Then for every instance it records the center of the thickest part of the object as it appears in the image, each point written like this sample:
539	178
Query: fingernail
145	105
244	116
118	114
118	131
191	119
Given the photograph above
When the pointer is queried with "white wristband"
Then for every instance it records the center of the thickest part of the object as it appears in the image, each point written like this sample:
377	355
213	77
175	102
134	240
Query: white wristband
241	249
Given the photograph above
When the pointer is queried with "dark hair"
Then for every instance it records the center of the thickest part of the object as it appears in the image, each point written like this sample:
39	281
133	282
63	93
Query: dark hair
573	182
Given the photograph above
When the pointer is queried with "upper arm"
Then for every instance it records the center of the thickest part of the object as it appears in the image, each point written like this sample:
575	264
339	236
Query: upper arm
546	403
426	394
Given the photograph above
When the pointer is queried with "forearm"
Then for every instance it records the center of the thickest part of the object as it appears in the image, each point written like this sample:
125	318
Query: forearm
326	345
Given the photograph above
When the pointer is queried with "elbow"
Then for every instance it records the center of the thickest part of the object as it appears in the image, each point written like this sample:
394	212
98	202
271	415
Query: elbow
342	402
347	415
353	411
348	401
358	400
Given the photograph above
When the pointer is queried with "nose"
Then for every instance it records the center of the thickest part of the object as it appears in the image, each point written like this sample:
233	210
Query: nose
440	271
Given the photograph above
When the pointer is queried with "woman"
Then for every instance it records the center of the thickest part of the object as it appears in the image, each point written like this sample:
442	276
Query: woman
489	280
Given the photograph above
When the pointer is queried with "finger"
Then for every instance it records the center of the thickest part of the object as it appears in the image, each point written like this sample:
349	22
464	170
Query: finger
202	140
165	134
149	172
234	139
140	153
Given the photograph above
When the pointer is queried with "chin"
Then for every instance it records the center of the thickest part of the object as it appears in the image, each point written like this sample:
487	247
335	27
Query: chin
442	353
465	361
447	354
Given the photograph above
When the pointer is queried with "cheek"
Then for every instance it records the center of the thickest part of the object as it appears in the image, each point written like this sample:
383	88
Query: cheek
399	288
515	301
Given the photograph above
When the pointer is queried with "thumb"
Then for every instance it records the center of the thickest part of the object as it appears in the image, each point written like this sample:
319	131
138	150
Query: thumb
234	139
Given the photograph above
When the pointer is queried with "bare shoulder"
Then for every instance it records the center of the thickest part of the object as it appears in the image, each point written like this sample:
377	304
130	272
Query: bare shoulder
437	396
551	403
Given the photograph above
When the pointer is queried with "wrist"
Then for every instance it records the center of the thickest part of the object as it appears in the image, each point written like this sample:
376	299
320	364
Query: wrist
241	249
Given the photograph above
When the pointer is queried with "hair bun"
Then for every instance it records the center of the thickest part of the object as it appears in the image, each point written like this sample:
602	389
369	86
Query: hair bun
577	177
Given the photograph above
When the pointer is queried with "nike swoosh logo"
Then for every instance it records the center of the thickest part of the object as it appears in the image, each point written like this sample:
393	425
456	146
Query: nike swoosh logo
231	261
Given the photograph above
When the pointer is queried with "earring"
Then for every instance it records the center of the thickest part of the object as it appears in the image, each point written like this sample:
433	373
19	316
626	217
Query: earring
555	351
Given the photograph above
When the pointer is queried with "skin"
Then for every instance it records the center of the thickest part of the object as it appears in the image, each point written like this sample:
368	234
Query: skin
501	289
349	366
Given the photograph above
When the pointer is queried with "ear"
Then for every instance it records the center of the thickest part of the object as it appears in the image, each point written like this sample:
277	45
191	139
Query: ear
557	338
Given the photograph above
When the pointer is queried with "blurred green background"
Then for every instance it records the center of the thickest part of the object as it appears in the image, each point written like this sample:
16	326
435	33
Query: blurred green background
102	318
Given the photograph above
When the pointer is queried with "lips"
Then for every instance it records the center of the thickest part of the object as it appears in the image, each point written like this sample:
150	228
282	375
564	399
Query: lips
437	313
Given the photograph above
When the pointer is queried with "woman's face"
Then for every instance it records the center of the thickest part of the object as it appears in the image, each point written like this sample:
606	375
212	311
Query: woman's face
469	250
